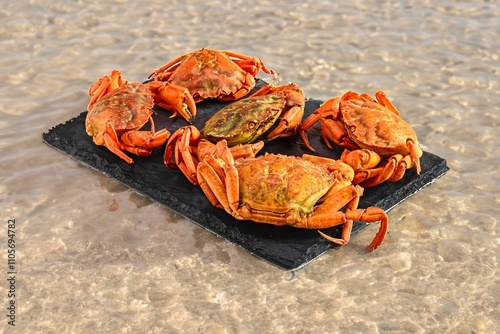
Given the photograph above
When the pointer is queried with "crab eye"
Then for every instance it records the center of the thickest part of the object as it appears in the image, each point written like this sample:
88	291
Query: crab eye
251	125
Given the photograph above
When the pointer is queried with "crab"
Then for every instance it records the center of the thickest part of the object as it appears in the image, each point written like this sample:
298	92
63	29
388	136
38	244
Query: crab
114	121
373	134
271	111
163	94
206	74
284	190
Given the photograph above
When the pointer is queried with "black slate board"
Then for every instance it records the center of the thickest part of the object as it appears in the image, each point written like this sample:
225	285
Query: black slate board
286	247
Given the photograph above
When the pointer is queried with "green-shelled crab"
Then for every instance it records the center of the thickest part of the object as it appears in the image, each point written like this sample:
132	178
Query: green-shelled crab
271	111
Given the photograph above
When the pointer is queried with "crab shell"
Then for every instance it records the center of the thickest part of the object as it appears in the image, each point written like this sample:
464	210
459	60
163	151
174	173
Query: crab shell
247	119
126	108
375	127
280	183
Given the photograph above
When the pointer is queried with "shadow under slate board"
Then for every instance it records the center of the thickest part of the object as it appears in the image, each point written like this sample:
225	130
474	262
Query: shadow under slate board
286	247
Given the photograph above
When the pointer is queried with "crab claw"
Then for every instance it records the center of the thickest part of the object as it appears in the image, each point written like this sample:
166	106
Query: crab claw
105	85
175	98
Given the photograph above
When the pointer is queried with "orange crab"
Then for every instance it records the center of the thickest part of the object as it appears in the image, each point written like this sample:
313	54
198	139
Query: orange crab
114	121
284	190
358	121
273	111
163	93
206	74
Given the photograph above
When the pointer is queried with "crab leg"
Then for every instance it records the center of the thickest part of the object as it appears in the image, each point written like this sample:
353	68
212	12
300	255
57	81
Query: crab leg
415	153
150	139
110	139
98	90
291	118
181	145
368	215
365	163
247	150
220	184
164	72
249	64
331	128
372	215
393	170
206	147
159	138
175	98
288	125
327	212
211	183
323	213
142	143
177	142
383	100
105	85
221	181
358	159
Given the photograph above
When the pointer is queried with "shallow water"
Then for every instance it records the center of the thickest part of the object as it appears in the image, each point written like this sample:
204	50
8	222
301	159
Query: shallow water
94	256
